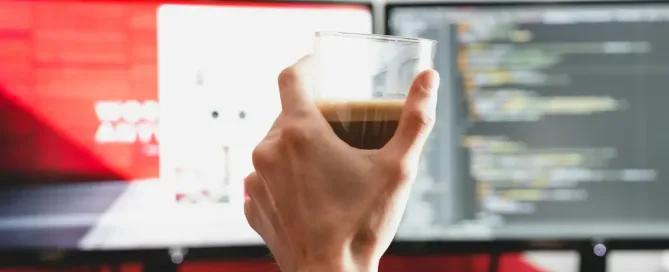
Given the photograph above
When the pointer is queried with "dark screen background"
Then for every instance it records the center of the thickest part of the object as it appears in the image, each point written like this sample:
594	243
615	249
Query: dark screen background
545	127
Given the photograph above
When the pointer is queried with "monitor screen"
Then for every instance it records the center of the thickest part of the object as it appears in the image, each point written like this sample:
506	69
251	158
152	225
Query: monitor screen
80	83
551	122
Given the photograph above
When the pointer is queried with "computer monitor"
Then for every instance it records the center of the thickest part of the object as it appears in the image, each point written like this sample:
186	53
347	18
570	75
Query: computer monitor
551	121
79	115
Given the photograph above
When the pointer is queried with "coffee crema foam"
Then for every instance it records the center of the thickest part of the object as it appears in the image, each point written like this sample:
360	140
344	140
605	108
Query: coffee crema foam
363	124
361	111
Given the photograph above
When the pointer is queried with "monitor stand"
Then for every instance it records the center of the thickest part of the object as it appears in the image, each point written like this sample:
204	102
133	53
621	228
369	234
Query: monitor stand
160	267
591	262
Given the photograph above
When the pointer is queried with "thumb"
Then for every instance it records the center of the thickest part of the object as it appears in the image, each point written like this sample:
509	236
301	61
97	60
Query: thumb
418	115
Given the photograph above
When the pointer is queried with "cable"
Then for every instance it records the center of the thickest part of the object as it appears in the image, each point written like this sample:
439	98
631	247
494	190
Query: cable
115	268
494	262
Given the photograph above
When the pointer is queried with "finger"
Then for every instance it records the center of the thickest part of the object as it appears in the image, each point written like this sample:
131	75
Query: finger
259	192
418	115
257	189
253	204
252	214
258	220
267	215
295	86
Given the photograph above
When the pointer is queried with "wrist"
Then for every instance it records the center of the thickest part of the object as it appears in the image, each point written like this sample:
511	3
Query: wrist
342	262
339	265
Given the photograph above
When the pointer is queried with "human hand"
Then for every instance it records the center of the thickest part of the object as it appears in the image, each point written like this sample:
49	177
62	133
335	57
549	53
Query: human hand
320	204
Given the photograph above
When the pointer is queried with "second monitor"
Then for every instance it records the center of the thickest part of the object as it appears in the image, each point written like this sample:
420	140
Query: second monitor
551	122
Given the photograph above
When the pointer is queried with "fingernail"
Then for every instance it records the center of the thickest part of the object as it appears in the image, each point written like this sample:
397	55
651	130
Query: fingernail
432	81
431	87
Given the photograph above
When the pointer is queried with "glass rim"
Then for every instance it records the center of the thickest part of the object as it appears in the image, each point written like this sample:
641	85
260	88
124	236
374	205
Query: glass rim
373	37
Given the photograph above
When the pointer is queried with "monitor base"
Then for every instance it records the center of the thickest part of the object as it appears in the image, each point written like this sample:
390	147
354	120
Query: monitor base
160	267
590	262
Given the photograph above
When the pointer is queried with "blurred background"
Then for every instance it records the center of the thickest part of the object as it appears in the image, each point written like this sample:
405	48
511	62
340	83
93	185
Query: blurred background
126	129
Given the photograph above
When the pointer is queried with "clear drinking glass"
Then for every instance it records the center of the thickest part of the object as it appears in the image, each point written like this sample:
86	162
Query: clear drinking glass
363	80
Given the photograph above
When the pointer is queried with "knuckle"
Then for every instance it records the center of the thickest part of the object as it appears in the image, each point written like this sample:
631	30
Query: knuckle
421	121
296	133
253	187
261	156
288	77
394	168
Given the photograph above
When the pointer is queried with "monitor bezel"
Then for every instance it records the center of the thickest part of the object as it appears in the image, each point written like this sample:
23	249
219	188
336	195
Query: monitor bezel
68	257
435	247
502	3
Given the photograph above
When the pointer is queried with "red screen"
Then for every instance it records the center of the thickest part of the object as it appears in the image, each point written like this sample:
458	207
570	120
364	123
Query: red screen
78	90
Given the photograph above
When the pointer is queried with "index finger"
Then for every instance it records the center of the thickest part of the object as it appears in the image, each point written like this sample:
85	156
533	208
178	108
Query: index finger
295	86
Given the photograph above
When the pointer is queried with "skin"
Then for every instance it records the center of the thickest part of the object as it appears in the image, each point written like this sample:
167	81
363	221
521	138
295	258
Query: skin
321	205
